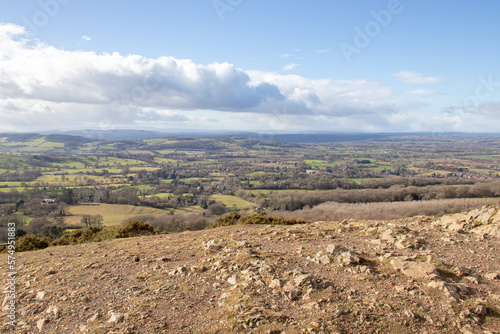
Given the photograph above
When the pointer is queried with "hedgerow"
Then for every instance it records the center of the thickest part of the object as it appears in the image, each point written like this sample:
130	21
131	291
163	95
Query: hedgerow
235	218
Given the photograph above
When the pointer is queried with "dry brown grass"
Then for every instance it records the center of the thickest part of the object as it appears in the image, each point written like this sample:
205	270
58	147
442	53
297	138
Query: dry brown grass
385	211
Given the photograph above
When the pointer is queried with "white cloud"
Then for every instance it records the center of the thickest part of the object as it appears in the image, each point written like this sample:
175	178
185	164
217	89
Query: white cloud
488	110
328	97
422	92
323	51
86	38
8	30
42	72
43	87
416	78
289	67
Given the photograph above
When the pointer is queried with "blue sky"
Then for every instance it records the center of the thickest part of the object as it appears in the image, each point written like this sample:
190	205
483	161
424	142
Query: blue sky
250	65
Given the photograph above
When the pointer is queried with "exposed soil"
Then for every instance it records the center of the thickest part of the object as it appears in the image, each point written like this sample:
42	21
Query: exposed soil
415	275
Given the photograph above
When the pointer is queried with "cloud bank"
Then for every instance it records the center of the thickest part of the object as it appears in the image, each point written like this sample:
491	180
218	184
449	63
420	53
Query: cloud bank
416	78
43	87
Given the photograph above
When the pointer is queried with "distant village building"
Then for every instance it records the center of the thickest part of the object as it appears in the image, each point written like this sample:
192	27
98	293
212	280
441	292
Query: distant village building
47	201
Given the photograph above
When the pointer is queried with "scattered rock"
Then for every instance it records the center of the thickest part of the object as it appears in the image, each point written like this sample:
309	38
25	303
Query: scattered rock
275	284
212	246
51	271
40	324
301	280
484	221
232	280
54	310
388	236
461	271
116	318
349	258
492	276
474	279
141	276
480	310
414	269
410	314
463	288
93	318
293	294
310	306
360	270
40	295
324	259
332	248
266	285
449	289
181	270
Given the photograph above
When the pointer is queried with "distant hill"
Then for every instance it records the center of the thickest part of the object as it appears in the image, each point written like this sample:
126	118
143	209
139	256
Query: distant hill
35	142
68	139
313	137
20	137
83	136
115	135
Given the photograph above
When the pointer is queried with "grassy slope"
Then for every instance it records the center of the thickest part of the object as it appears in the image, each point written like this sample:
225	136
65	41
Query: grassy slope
231	201
113	214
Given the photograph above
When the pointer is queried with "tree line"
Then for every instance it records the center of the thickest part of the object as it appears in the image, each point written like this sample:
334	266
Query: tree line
299	200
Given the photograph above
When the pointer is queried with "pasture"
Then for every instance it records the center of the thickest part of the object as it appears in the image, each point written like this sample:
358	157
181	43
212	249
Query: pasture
232	201
113	214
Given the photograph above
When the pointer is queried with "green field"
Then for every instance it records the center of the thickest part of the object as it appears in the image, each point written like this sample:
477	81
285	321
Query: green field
232	201
132	171
381	168
165	161
9	189
162	195
10	184
136	169
116	214
113	214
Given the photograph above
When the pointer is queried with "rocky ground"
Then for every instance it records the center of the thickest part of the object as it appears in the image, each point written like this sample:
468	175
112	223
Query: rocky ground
417	275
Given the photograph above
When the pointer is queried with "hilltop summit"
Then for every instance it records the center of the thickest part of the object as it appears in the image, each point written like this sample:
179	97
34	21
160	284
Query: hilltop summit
413	275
